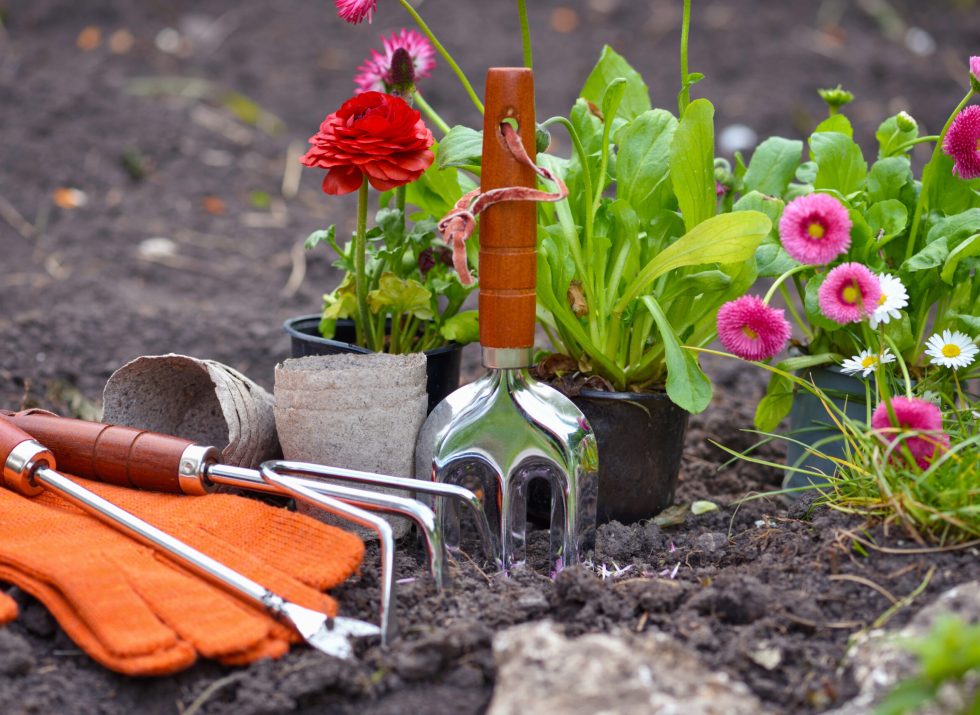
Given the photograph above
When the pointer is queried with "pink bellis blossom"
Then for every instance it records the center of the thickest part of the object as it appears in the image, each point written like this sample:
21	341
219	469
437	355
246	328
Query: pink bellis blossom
356	11
815	229
975	68
911	413
962	143
752	330
375	74
849	294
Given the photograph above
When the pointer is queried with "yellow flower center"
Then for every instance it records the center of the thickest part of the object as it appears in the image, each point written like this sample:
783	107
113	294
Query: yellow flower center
851	293
815	230
869	361
882	299
950	350
749	333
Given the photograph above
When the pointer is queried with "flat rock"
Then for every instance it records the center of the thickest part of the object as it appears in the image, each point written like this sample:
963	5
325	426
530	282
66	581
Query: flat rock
542	671
879	661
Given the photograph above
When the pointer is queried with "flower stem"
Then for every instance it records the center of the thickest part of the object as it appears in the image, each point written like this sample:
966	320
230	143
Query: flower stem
796	315
362	324
429	112
444	52
923	203
525	33
902	148
779	281
685	96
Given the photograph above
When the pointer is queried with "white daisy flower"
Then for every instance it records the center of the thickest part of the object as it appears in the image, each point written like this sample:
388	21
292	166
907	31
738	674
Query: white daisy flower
952	350
894	297
866	362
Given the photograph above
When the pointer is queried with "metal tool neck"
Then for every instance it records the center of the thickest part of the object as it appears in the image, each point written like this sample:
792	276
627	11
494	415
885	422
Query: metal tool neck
506	358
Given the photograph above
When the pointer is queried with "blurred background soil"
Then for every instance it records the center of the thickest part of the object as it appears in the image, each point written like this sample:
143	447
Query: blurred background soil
150	197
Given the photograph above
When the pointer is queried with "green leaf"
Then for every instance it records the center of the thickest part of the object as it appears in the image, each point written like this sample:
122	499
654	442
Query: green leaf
687	385
969	247
728	238
461	147
401	297
642	168
703	506
840	164
948	193
327	235
806	173
436	191
775	404
836	123
887	219
888	177
773	165
692	158
712	281
462	328
932	256
970	323
610	67
771	258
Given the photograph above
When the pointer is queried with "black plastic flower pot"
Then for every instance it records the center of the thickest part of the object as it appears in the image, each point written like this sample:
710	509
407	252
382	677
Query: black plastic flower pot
442	364
640	438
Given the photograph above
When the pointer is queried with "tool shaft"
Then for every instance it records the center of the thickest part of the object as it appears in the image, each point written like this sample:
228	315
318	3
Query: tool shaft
187	555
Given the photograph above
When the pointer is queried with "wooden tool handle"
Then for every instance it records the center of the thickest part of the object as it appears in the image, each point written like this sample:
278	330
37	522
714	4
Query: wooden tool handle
117	455
508	231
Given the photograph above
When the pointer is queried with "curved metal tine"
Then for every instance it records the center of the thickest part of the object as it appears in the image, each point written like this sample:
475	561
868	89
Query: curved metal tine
418	512
436	489
386	538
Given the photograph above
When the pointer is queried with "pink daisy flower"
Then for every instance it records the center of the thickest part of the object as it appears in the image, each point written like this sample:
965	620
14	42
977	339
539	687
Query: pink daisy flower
975	67
374	74
751	329
356	11
912	414
962	142
849	294
815	229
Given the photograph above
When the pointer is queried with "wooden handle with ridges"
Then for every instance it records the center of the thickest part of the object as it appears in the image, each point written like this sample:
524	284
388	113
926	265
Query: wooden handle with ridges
508	231
107	453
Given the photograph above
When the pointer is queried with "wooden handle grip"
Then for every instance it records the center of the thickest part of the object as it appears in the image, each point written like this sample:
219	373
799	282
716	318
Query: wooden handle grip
117	455
508	231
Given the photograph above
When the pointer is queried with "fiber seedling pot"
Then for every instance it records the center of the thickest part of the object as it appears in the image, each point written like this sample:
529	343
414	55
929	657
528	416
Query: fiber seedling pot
810	423
441	367
640	438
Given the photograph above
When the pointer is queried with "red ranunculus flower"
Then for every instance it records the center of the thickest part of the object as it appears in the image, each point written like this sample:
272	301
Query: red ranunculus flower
374	135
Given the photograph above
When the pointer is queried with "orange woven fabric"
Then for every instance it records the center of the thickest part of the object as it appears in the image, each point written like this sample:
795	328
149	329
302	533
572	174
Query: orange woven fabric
137	612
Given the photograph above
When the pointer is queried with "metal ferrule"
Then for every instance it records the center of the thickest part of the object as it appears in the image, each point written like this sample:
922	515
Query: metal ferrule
23	460
506	358
192	473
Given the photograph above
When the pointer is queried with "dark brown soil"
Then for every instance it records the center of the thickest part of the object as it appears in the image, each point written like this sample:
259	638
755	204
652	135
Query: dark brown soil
81	293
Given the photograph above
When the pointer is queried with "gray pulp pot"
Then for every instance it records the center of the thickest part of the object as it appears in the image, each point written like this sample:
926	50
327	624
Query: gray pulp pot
810	423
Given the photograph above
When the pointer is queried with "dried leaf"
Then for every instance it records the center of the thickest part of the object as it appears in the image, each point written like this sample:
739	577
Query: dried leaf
702	506
671	516
576	299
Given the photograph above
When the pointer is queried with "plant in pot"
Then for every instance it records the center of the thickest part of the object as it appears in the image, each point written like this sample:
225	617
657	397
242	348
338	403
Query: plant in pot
633	265
876	258
399	293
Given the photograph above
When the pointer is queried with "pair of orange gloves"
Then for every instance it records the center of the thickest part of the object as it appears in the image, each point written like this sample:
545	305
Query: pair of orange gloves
138	613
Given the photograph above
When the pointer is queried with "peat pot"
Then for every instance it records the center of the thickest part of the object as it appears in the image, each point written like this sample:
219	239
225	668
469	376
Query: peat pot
441	366
640	438
810	423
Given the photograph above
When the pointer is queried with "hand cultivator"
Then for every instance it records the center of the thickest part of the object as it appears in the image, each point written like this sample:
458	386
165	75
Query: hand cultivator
506	429
144	460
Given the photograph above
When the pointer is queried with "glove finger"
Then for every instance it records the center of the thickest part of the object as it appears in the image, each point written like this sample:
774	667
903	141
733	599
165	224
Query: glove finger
163	661
213	621
320	555
8	608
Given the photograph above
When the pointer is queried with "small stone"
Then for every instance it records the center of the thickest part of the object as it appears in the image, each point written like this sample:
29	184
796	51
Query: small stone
767	657
712	542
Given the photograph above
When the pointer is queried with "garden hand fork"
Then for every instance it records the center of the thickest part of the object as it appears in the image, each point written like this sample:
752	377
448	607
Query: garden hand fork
499	433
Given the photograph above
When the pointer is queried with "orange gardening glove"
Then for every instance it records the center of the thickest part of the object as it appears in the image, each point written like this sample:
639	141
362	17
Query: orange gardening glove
138	613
